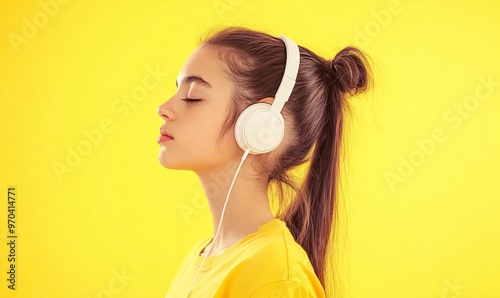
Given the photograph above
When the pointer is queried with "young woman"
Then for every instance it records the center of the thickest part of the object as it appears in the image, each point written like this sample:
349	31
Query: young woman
256	252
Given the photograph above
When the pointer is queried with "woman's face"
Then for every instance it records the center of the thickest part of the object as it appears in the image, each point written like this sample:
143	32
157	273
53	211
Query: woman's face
195	126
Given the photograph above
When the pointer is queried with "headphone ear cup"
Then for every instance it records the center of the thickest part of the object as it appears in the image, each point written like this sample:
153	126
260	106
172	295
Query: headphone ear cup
259	129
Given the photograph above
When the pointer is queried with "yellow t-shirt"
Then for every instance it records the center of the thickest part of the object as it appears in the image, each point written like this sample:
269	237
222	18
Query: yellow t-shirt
267	263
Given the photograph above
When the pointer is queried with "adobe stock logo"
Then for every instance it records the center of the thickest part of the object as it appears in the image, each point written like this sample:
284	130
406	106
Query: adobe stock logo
266	135
116	284
199	201
452	290
31	26
454	117
223	6
380	20
121	109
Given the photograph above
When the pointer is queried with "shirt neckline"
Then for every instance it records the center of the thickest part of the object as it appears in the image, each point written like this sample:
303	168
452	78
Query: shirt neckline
212	260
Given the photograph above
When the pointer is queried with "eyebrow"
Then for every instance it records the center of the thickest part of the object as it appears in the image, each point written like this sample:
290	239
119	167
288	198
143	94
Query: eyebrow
197	79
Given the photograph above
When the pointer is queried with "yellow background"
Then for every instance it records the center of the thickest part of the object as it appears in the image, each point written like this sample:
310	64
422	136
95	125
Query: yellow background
421	191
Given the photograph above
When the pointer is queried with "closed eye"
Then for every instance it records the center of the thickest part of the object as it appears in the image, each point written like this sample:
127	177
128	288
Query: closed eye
190	100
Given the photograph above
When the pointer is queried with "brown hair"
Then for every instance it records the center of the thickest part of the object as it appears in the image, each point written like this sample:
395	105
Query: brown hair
255	61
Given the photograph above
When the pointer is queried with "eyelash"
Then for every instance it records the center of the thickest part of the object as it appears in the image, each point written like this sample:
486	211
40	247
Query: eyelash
190	100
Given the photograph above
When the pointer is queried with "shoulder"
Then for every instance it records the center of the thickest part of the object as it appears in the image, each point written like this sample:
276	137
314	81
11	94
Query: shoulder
275	263
276	246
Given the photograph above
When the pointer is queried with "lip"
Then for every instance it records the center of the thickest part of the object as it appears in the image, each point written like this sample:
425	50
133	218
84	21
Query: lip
164	136
165	133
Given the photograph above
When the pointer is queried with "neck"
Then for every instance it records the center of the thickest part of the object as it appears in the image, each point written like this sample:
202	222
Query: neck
247	208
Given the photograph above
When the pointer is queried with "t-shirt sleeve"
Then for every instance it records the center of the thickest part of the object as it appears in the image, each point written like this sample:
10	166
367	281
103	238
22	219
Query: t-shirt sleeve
282	289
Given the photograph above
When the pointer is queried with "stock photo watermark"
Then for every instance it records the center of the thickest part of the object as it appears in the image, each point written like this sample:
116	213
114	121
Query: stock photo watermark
32	25
454	117
199	201
12	257
452	289
121	107
380	19
197	204
116	284
222	7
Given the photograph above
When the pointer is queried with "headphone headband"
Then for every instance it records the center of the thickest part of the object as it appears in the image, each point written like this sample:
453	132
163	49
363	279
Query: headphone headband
290	75
260	127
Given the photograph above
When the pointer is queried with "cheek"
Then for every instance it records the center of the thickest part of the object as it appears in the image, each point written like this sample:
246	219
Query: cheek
203	128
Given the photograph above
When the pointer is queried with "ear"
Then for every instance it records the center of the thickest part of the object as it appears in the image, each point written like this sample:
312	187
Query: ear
268	100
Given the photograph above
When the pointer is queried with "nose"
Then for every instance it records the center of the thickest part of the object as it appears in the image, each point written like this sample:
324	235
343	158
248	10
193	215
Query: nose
165	112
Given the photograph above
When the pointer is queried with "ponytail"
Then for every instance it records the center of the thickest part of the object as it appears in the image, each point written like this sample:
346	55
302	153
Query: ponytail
311	214
350	69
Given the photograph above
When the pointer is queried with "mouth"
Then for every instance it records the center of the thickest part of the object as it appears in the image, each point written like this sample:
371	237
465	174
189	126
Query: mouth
164	136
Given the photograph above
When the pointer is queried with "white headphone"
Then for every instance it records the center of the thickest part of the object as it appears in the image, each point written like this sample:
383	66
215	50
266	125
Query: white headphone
260	127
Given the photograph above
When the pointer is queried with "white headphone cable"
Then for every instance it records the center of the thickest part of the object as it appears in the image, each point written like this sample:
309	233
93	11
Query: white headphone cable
220	221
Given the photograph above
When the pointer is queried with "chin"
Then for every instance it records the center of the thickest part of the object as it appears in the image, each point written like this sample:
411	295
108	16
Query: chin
169	165
168	162
165	160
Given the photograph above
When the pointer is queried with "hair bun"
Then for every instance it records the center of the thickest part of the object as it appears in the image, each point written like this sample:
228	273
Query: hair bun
350	67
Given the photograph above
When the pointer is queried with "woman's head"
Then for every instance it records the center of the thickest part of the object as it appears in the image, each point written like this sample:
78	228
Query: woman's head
254	62
195	113
247	67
